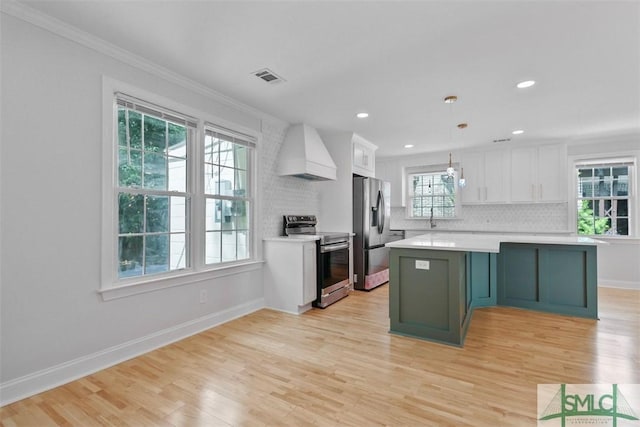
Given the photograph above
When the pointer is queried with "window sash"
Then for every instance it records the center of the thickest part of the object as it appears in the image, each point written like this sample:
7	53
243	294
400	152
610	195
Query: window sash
169	248
231	242
610	217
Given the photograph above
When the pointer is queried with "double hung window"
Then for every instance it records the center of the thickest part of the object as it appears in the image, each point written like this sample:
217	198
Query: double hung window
603	198
431	193
153	189
227	178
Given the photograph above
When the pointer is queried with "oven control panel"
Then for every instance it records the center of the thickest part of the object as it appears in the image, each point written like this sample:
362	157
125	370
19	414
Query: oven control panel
291	219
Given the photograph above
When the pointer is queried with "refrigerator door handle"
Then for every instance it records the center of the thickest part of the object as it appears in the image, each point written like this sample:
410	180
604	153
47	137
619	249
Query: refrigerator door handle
380	208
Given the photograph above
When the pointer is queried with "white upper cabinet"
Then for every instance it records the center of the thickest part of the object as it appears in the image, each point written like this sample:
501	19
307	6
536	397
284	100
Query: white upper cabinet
484	173
364	157
522	176
552	173
538	174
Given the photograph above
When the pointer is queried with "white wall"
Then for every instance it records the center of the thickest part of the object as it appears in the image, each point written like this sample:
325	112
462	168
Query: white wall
54	326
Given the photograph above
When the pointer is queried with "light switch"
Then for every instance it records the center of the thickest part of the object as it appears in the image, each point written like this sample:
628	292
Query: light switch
422	264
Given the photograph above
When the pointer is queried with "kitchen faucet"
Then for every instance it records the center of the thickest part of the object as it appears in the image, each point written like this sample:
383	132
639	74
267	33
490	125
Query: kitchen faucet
432	222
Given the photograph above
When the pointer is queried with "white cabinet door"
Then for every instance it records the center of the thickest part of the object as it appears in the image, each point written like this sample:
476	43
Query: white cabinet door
289	275
473	165
363	160
538	174
484	175
494	182
309	279
522	174
552	174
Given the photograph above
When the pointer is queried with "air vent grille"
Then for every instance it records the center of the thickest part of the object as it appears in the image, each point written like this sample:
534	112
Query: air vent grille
502	140
268	76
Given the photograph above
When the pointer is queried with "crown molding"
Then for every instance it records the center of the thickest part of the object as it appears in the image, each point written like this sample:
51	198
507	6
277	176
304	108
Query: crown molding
35	17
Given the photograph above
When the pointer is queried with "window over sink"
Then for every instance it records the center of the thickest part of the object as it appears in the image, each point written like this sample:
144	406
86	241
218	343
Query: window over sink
431	193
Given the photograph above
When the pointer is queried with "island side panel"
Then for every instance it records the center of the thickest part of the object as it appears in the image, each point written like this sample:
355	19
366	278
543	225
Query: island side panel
427	294
482	274
554	278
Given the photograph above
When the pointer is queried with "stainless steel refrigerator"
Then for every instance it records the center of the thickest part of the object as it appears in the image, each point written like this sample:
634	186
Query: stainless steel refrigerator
371	219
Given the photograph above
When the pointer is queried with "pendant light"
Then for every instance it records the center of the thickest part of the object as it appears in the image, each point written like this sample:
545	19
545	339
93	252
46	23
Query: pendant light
462	182
451	99
450	170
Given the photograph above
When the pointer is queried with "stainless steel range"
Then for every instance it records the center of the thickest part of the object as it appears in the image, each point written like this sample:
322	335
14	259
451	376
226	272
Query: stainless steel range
332	257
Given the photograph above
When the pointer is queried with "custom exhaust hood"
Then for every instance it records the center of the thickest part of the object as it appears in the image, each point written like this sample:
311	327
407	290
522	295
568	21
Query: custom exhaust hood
304	155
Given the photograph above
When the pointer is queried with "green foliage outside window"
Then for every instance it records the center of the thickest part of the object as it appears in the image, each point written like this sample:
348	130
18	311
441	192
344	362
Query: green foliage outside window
588	223
151	155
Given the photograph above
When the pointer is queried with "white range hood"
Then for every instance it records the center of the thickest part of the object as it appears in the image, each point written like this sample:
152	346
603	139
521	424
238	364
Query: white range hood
304	155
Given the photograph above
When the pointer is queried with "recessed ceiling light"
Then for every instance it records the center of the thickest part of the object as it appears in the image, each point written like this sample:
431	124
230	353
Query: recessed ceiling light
408	146
362	115
450	99
525	84
518	132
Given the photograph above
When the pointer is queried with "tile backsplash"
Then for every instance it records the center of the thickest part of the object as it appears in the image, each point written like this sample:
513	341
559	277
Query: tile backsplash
538	218
281	195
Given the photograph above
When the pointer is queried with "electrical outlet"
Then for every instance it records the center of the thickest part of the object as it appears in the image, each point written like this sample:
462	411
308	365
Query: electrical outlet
203	296
422	264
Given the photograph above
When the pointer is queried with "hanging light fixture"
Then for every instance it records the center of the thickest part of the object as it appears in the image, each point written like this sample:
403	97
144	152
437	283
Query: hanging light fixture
450	170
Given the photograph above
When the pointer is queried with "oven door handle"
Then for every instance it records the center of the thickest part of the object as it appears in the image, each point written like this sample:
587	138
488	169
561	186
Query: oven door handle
331	248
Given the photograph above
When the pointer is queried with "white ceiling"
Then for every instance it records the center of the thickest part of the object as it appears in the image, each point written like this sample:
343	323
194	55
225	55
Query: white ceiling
397	60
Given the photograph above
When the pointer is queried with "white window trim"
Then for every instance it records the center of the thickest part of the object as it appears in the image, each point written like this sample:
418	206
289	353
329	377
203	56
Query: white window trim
634	202
412	170
111	286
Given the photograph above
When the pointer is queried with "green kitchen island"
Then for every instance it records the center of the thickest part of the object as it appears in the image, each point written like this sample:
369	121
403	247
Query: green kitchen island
436	280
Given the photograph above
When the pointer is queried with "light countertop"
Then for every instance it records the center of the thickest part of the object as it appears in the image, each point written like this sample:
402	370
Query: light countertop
442	230
296	239
484	242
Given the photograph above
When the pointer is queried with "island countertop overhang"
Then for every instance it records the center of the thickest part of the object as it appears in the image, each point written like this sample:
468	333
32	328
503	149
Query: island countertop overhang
485	242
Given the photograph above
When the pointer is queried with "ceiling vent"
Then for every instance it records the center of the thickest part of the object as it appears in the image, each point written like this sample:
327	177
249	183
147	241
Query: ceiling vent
268	76
502	140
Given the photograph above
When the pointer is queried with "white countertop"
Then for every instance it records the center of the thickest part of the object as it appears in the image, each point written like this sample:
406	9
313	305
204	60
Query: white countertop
484	242
444	230
296	239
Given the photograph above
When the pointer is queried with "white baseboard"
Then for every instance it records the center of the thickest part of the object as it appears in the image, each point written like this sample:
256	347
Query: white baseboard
622	284
46	379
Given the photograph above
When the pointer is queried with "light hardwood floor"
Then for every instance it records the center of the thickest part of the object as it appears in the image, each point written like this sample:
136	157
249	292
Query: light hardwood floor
340	367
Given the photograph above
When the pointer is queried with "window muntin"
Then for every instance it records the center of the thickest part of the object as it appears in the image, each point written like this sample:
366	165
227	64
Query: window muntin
603	198
429	192
152	191
227	192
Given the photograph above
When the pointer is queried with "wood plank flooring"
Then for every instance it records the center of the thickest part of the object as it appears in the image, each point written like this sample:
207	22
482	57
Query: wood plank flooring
340	367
